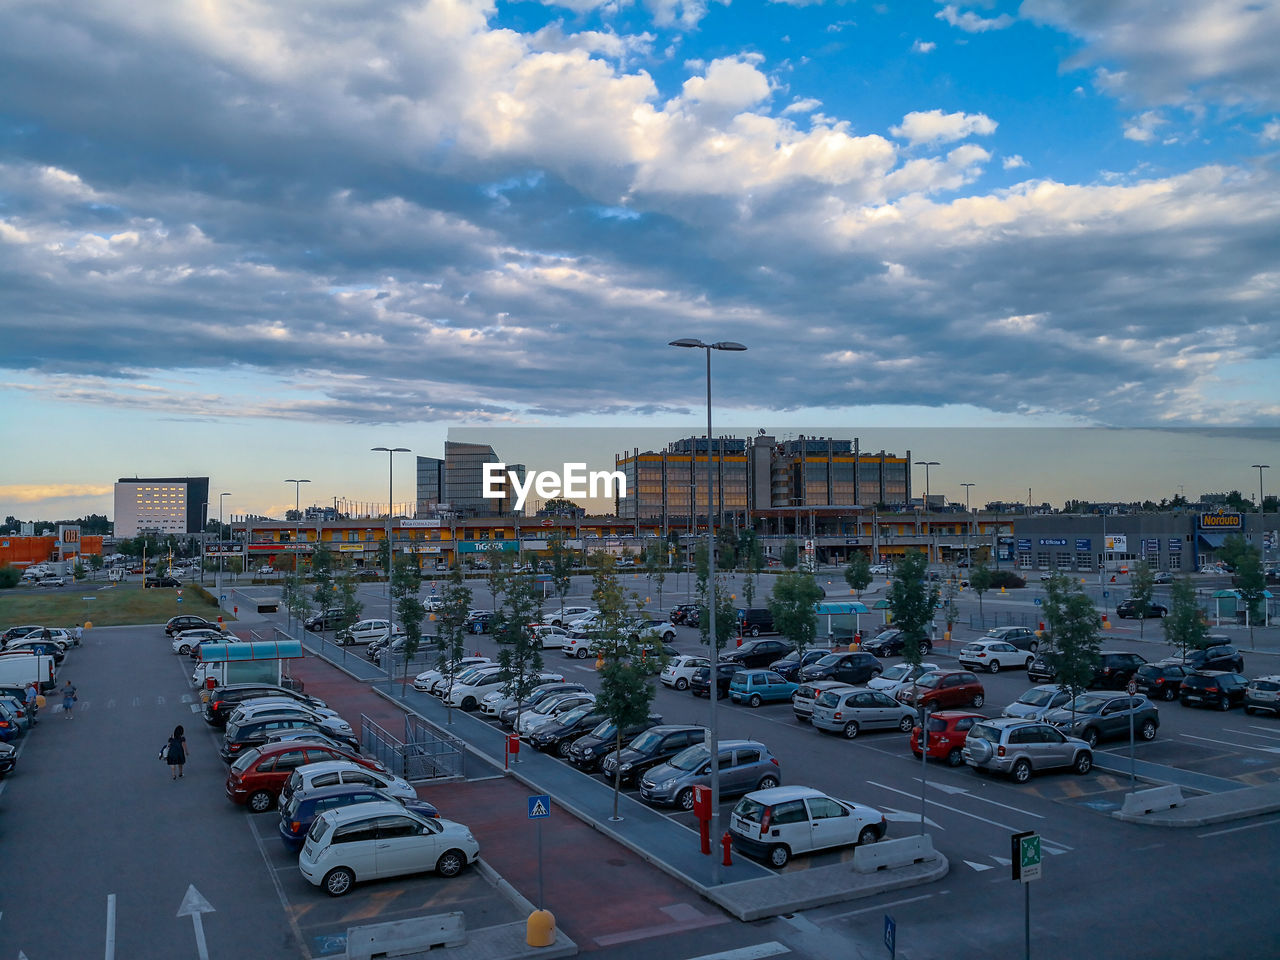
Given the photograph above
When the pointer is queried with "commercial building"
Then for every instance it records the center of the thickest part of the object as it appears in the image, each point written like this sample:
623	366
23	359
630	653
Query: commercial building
67	546
160	505
454	486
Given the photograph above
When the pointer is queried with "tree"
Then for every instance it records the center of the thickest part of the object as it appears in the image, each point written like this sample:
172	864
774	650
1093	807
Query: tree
753	558
980	580
519	653
655	561
235	566
858	573
562	507
404	586
1142	588
912	600
726	549
561	569
10	577
384	555
451	630
950	590
1072	626
322	573
793	605
790	554
1184	627
295	596
96	563
1251	584
78	571
348	605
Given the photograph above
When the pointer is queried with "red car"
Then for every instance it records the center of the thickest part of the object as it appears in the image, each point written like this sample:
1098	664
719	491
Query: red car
947	732
259	774
945	688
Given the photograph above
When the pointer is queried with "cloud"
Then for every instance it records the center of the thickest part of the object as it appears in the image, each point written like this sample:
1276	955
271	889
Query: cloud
1270	132
1013	162
32	492
934	126
923	46
971	22
805	105
1142	128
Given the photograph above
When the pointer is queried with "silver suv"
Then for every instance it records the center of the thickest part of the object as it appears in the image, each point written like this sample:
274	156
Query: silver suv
1018	747
745	765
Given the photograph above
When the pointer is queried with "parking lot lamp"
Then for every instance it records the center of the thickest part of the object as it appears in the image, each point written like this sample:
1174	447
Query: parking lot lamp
391	453
297	518
714	659
968	527
219	577
1260	467
927	464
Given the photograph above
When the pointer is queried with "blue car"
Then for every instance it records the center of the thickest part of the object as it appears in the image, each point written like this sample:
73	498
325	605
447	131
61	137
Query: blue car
754	687
790	665
297	815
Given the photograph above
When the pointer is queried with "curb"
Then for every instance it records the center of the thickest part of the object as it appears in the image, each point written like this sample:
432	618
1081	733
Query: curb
1151	820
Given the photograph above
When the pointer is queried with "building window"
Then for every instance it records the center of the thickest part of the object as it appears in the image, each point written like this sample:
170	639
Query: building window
1042	560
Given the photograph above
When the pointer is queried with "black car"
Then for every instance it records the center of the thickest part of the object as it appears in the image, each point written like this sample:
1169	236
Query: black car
587	751
1160	680
163	582
301	809
1219	655
8	758
680	612
758	653
851	668
1213	688
790	665
700	682
557	736
323	621
890	642
479	622
252	733
1129	608
755	621
654	746
1112	672
224	700
178	624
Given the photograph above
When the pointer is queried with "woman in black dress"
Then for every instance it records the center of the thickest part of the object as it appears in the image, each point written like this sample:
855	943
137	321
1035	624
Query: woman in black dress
176	752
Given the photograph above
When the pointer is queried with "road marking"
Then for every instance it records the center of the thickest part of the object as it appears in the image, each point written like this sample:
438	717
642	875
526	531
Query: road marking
195	708
111	927
963	813
895	815
973	796
275	880
1250	733
137	701
1247	826
159	701
378	902
186	698
757	952
1003	861
879	906
111	704
980	866
1228	743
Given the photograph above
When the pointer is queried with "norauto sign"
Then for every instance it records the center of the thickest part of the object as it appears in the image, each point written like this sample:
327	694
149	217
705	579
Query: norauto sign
1221	521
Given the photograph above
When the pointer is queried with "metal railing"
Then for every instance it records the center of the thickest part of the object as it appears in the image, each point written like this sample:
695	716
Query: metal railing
1002	618
424	753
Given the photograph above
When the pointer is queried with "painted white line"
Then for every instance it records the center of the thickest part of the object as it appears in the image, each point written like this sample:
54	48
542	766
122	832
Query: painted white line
275	882
979	866
1254	726
974	796
1247	826
963	813
757	952
1003	861
1228	743
1250	733
111	927
880	906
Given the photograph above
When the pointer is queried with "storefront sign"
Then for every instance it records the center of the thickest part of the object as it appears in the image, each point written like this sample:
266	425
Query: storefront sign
1175	545
1221	521
488	546
1083	544
417	524
1024	545
1053	541
1117	543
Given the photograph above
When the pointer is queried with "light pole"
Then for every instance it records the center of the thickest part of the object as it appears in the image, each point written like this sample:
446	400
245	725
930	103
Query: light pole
968	527
218	585
297	518
204	534
927	464
391	453
712	637
1260	467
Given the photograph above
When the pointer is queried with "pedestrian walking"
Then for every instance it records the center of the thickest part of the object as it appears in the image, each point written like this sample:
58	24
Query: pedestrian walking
78	633
175	752
69	700
32	696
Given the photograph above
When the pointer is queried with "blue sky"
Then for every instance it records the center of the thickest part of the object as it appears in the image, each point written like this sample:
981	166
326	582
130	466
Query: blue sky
252	240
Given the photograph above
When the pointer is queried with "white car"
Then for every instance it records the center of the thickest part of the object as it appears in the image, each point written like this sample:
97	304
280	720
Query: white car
568	615
367	631
331	773
991	655
773	825
185	641
579	647
54	581
583	623
467	694
879	569
898	676
371	840
441	686
549	709
492	704
433	603
550	637
655	630
680	670
424	680
252	710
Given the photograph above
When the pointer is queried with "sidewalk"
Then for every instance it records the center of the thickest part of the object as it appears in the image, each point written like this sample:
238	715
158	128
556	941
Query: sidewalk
1212	808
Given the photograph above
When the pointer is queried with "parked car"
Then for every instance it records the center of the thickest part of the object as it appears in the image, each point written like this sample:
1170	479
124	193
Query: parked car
680	611
367	631
242	737
1024	638
17	633
567	615
1020	747
947	732
757	653
376	840
898	676
1105	716
12	718
1220	654
776	824
178	624
557	735
548	636
790	665
1161	680
754	687
587	751
852	711
480	622
889	643
700	682
755	621
1263	694
331	773
651	631
1213	688
8	758
259	774
1037	701
549	709
325	620
443	685
654	746
991	655
856	667
807	695
467	693
1162	576
1128	608
745	765
224	700
425	680
185	642
1112	671
680	669
944	688
37	645
507	711
166	581
297	815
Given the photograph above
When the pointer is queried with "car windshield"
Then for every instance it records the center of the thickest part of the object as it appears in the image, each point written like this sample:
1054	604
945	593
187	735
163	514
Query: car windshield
749	809
576	714
899	671
887	635
604	730
646	741
1038	697
937	724
972	648
829	699
981	731
691	758
929	680
830	660
1085	703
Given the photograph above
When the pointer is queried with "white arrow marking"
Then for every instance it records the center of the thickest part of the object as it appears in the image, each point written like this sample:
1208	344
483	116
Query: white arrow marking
21	955
974	796
902	816
137	701
946	788
1003	861
193	905
186	698
111	703
980	866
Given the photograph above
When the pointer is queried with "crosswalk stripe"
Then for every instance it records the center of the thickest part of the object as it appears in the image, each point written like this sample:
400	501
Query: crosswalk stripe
756	952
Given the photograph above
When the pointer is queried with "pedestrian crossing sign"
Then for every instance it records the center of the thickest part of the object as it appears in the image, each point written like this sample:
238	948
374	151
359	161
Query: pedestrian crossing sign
539	807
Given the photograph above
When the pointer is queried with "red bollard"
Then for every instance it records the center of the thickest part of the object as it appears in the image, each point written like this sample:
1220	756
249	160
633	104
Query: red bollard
513	749
727	842
1042	626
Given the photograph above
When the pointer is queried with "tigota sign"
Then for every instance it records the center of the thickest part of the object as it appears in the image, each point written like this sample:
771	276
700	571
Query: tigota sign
1221	521
573	481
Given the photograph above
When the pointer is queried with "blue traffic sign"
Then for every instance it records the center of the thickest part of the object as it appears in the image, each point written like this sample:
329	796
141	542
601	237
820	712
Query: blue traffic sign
890	936
1105	594
222	597
1038	601
539	807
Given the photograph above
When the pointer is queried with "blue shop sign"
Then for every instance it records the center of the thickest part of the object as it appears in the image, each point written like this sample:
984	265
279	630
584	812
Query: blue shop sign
1053	541
1175	545
1024	545
1083	544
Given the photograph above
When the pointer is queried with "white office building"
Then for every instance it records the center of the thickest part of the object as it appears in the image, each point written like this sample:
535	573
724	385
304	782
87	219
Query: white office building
160	505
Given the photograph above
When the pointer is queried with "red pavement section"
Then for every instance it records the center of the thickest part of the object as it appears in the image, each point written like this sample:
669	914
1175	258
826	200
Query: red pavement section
595	887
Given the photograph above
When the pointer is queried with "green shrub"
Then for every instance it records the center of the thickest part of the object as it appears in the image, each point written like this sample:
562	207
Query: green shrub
1007	579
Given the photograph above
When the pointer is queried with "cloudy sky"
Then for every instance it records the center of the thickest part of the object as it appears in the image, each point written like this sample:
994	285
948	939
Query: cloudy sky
250	239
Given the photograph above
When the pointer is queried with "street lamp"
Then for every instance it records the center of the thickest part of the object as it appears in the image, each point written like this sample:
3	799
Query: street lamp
1260	467
968	527
297	518
391	453
220	550
927	464
714	658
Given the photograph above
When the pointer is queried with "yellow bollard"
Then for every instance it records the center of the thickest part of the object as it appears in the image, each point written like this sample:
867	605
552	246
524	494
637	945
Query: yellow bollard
599	663
88	624
540	930
1002	589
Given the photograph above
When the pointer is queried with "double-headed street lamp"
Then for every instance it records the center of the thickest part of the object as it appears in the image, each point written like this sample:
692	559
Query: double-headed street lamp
391	453
712	596
927	464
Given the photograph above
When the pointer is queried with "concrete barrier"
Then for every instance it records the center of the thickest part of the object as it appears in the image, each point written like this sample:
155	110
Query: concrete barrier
1149	801
402	938
901	852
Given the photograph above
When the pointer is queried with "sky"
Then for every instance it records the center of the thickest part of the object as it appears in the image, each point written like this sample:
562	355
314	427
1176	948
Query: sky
252	239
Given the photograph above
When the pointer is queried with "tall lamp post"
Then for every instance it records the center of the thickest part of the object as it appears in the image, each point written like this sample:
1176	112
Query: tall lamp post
297	518
1260	467
712	637
1262	532
968	527
391	453
218	585
927	464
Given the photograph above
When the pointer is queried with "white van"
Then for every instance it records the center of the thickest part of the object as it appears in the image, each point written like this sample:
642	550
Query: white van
19	669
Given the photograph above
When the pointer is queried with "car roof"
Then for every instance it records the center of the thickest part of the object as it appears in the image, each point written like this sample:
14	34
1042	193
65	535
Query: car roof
334	790
775	795
362	811
1003	722
321	767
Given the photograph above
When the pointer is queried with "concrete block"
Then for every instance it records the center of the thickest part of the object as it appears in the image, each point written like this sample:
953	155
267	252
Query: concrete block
901	852
1148	801
401	938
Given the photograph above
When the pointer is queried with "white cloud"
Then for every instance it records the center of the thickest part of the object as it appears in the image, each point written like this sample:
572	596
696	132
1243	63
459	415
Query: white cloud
1270	132
1142	128
806	105
1013	162
971	22
730	83
923	46
934	126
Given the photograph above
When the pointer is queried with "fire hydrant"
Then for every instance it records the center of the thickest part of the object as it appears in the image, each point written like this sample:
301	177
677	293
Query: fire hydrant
727	842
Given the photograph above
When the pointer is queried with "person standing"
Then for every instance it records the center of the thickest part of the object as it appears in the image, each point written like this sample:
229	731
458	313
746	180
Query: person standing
69	700
176	752
78	633
32	696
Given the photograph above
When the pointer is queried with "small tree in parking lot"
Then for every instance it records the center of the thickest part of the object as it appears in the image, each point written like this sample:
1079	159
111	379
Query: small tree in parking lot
858	573
561	568
1184	627
1142	588
980	581
1072	624
520	653
348	602
912	599
451	630
404	585
790	554
792	605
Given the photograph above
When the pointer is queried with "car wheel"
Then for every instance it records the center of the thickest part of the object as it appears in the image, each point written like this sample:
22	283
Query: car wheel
682	684
994	666
874	674
184	650
582	653
1148	730
767	783
684	800
1033	646
260	802
851	730
978	700
925	648
906	724
451	863
779	855
669	636
956	757
755	631
563	747
338	881
1248	710
1170	693
1084	763
1022	771
468	703
868	835
1090	737
755	700
1224	705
